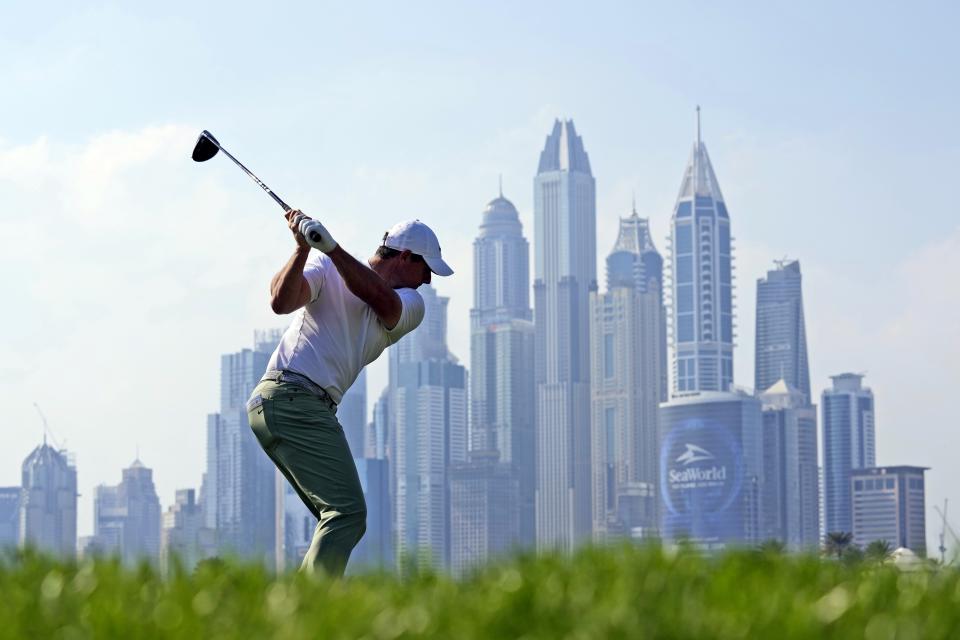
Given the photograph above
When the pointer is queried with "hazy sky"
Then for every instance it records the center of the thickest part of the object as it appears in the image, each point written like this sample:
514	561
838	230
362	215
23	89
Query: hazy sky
128	269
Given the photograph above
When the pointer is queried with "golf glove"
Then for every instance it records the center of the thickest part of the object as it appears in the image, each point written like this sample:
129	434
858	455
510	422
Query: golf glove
317	236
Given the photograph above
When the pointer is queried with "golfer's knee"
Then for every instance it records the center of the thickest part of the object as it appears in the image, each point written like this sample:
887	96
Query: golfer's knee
358	522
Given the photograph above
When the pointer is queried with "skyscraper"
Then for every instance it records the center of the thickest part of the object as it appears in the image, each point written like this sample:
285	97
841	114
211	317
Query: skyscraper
791	490
781	337
427	433
628	356
501	385
352	414
711	469
184	535
702	267
9	516
241	480
126	517
484	510
48	506
375	549
888	504
848	443
565	269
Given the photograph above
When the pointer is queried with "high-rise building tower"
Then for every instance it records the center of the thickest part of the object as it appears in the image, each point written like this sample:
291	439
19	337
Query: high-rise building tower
184	537
427	432
241	481
781	337
702	282
352	414
848	444
9	516
791	489
48	506
888	504
711	469
501	392
628	355
126	517
565	269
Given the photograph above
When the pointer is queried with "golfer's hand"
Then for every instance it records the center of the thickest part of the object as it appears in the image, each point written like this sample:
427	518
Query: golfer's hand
294	218
317	235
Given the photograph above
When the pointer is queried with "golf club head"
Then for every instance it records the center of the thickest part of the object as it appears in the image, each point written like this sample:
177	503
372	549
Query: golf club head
206	147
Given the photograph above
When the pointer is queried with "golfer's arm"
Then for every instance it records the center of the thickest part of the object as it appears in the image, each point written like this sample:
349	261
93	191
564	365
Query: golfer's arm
289	290
364	283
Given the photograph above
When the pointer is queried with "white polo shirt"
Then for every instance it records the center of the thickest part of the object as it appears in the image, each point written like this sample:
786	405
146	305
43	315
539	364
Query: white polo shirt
337	334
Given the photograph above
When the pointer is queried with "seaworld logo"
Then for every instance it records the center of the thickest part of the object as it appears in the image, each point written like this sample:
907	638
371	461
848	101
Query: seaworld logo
694	454
699	475
691	477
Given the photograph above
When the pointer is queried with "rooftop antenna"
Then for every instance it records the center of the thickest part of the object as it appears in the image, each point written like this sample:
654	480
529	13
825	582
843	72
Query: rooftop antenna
782	262
698	126
501	184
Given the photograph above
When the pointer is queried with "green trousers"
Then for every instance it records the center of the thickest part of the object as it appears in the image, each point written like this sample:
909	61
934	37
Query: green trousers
300	433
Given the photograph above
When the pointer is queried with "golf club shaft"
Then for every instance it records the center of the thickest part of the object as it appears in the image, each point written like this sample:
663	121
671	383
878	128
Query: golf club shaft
275	197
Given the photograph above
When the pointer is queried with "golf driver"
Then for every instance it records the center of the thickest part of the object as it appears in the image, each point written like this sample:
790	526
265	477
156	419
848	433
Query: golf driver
207	147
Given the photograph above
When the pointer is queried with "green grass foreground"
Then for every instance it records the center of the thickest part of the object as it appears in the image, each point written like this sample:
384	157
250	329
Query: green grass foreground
612	592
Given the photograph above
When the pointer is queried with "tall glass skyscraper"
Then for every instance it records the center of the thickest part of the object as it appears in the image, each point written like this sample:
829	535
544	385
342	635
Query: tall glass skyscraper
241	481
565	269
781	335
492	494
126	517
848	444
791	488
48	503
628	356
427	433
702	266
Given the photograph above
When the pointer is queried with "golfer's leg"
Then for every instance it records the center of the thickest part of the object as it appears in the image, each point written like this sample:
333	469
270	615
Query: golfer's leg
314	451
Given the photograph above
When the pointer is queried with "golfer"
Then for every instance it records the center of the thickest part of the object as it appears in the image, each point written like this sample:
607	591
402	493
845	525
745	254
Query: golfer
348	314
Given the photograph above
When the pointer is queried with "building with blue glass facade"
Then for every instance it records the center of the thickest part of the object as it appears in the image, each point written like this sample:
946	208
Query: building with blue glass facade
848	444
781	334
791	488
565	270
711	469
701	259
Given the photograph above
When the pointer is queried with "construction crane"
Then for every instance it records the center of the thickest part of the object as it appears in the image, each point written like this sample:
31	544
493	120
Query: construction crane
945	527
46	428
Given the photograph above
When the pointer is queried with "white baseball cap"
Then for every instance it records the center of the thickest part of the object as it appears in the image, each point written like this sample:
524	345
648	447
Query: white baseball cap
420	239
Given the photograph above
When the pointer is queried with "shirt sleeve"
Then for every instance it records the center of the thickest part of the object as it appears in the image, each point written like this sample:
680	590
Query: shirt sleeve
410	317
315	272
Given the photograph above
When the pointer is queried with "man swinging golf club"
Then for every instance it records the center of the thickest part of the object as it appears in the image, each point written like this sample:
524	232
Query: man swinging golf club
348	313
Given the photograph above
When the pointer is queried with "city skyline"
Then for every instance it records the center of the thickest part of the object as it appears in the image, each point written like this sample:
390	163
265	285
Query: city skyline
831	168
497	301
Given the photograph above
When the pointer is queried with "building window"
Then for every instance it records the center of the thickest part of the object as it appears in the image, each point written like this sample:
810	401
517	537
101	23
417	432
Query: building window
684	239
608	355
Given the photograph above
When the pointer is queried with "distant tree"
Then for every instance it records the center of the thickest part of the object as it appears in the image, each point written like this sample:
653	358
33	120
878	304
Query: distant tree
772	546
878	550
837	543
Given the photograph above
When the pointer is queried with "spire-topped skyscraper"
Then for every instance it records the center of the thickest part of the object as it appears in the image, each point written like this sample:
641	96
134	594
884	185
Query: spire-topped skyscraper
565	270
702	266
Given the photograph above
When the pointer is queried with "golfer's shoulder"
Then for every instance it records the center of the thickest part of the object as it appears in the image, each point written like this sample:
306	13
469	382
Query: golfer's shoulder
413	309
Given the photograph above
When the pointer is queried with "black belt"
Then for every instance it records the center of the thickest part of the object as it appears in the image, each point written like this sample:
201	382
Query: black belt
302	381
